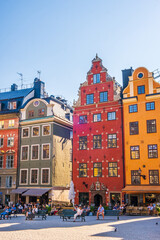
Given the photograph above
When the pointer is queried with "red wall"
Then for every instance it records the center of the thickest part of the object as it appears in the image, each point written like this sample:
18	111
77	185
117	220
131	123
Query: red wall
10	132
91	128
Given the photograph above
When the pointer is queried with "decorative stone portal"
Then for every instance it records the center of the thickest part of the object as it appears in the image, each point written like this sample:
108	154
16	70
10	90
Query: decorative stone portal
98	193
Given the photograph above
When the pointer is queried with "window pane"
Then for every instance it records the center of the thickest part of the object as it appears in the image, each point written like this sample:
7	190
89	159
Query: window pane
25	153
25	132
134	152
151	126
46	130
97	117
113	169
89	98
83	119
45	176
23	176
97	141
97	169
82	170
35	151
133	108
35	131
135	177
46	151
83	143
34	176
133	128
112	140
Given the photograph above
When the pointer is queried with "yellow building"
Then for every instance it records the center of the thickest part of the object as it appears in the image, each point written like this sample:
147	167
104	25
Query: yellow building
141	114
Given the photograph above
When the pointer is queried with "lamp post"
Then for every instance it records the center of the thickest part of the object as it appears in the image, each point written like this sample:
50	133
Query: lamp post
143	176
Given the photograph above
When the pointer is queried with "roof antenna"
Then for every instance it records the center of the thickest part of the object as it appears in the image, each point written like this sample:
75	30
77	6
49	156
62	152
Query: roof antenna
39	74
21	78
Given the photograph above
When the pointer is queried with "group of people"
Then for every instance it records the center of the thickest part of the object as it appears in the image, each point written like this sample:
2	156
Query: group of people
7	211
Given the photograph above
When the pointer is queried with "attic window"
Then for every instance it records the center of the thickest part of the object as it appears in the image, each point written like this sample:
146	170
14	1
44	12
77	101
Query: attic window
41	112
12	105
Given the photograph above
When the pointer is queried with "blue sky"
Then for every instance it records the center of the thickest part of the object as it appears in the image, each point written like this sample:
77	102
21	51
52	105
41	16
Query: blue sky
61	37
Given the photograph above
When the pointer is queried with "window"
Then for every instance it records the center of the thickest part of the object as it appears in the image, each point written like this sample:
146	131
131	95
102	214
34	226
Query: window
133	108
35	152
103	96
41	112
46	130
10	142
112	140
1	124
84	198
83	170
135	177
10	161
154	177
133	128
83	143
112	169
152	151
34	176
1	161
96	78
25	153
151	126
82	119
45	176
31	114
111	116
24	177
0	182
67	115
45	151
97	117
25	132
97	169
141	89
97	141
89	98
9	181
134	152
1	142
35	131
150	106
11	123
12	105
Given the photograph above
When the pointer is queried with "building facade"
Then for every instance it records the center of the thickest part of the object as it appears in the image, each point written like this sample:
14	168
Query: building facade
45	167
10	103
97	139
141	101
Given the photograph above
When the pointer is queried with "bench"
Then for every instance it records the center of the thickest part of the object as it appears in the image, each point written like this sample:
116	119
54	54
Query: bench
40	213
111	213
68	214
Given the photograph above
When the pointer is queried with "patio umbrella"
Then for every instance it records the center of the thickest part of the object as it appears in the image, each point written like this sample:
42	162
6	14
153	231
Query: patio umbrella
71	192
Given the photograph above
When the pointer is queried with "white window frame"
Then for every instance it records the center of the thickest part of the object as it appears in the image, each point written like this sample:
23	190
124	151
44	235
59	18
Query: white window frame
31	152
28	132
6	181
36	127
42	151
13	142
46	125
37	175
2	124
48	176
20	176
21	152
12	122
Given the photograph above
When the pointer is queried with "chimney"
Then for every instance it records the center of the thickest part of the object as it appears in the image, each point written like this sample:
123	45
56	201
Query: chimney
125	77
39	88
14	87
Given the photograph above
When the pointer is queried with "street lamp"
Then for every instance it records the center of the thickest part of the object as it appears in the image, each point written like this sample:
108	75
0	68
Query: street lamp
143	176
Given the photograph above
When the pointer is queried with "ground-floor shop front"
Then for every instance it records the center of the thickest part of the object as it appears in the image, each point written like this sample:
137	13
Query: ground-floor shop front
7	197
141	195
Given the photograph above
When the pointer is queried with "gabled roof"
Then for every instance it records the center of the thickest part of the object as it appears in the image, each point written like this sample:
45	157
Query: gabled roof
15	94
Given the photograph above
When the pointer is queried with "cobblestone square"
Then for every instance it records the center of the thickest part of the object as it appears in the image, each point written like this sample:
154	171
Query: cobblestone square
128	228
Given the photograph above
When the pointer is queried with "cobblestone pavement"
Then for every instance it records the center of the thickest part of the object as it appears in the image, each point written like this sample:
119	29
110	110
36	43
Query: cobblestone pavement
128	228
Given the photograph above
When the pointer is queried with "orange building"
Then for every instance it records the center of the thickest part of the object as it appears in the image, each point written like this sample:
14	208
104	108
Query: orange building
141	114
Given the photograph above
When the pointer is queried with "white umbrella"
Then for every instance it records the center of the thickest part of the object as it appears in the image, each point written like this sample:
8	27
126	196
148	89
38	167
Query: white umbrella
71	192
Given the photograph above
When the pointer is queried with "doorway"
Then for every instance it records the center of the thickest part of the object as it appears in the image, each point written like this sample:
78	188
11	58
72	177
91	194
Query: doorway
134	200
98	200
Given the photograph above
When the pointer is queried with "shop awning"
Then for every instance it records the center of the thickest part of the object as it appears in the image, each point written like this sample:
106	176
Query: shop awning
141	189
19	190
36	192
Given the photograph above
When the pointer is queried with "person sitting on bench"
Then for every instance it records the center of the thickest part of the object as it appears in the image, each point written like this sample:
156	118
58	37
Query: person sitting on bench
100	211
6	212
79	212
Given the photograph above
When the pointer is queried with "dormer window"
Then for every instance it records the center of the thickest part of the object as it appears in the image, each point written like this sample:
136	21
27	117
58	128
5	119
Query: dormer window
41	112
96	78
12	105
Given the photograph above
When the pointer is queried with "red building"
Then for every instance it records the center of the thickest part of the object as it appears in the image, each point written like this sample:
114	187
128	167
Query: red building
97	139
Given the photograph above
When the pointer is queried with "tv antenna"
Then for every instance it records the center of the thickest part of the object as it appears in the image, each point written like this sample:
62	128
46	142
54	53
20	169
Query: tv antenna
21	78
39	74
156	73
